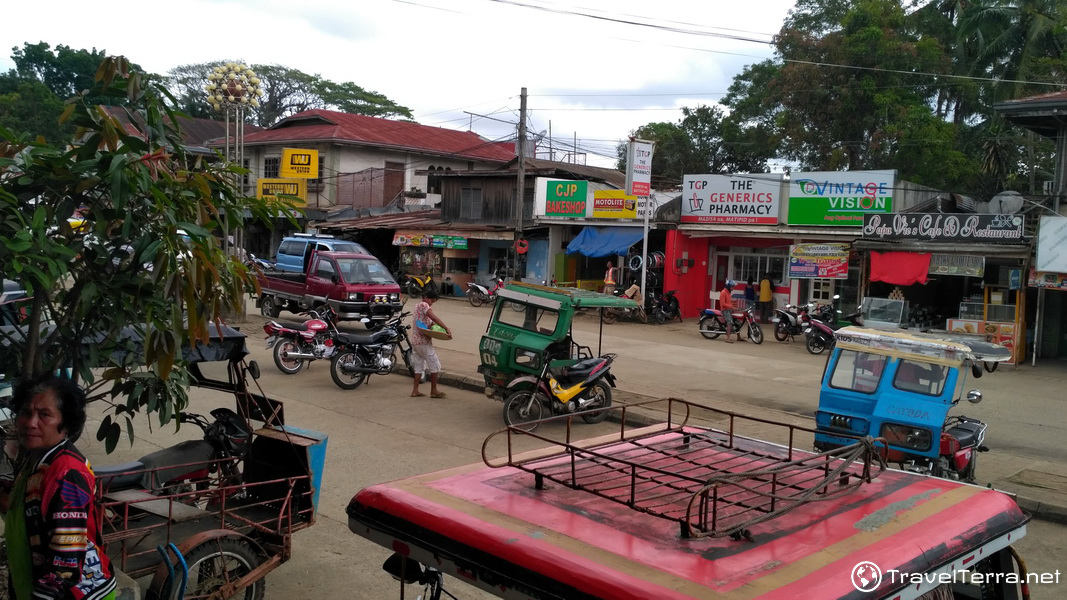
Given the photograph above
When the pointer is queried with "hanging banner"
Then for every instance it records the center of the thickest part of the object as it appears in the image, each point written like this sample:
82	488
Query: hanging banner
429	240
839	198
639	167
566	198
299	163
940	227
1052	281
737	199
270	189
957	264
614	204
819	261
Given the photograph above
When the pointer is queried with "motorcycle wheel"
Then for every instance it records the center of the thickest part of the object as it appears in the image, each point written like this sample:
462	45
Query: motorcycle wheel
407	361
815	344
219	562
781	331
600	398
268	307
659	317
641	315
515	306
755	333
413	289
347	381
523	409
475	298
288	366
607	315
708	328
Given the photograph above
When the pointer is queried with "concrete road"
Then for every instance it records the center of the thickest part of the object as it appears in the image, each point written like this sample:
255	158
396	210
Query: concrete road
378	433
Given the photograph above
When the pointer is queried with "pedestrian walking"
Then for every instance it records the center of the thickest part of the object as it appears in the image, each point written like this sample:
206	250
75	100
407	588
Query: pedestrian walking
766	298
423	357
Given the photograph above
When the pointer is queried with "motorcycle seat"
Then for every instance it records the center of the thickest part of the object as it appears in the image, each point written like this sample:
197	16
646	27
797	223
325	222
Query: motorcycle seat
353	339
581	369
967	436
293	326
120	476
171	463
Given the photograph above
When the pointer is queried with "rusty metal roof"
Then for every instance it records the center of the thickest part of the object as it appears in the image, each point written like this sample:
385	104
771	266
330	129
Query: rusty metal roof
316	126
535	167
424	220
194	132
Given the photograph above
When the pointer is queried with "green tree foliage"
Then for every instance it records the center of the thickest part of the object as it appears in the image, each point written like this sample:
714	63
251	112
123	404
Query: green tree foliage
31	107
122	261
286	92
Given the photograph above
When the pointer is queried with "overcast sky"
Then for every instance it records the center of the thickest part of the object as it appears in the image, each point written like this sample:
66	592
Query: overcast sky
595	78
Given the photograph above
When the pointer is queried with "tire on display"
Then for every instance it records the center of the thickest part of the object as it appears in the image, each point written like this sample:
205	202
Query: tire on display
708	328
815	344
755	333
287	365
268	307
347	381
522	407
600	394
219	562
781	331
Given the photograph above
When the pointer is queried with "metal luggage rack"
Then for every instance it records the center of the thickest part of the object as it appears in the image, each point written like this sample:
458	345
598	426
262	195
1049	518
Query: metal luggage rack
712	482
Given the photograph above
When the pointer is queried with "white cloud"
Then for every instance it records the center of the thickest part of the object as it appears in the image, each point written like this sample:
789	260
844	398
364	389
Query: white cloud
443	57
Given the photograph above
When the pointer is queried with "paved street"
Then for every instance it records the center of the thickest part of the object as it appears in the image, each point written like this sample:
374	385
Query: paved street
378	433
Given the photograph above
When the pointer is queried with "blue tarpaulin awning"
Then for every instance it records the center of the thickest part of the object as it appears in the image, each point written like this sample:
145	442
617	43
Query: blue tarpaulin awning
605	241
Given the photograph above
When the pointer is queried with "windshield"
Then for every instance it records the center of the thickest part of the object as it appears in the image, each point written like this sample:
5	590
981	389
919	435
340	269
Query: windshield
530	318
364	270
349	247
858	371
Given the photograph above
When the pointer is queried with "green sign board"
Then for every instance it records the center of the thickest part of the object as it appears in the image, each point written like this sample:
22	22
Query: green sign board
566	198
840	212
839	198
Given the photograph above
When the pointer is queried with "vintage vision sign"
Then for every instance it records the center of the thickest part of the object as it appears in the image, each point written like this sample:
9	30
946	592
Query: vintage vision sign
839	198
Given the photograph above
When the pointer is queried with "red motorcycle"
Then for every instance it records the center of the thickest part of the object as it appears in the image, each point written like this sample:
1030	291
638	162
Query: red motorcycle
713	324
296	344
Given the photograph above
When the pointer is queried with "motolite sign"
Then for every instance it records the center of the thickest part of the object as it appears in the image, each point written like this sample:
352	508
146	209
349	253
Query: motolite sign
614	204
839	198
737	199
565	198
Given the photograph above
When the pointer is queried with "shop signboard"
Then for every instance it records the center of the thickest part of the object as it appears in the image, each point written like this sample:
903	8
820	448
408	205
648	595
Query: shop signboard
565	198
639	167
431	240
822	261
1052	245
270	189
737	199
944	228
957	264
299	163
614	204
1052	281
839	198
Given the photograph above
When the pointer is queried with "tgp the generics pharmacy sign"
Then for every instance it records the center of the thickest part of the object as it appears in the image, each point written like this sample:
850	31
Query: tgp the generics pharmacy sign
738	199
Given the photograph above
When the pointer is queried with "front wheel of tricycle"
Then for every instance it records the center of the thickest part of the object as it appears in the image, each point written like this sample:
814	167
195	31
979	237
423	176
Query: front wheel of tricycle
599	396
709	328
220	562
522	407
347	361
755	333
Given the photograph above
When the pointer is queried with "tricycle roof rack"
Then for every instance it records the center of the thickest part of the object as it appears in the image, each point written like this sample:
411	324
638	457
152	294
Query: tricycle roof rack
944	348
578	298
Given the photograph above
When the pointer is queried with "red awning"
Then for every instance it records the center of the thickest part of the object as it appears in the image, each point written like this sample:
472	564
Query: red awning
900	268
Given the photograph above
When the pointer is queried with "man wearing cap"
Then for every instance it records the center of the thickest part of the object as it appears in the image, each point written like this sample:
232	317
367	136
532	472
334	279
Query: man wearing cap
726	305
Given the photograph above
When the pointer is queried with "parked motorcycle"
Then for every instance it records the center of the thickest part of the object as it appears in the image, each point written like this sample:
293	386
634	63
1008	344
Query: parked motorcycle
713	324
417	285
297	344
478	294
360	355
584	387
790	321
262	264
819	333
187	464
610	314
666	308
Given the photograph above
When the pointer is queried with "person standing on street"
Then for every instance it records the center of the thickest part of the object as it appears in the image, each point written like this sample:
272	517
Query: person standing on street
423	357
609	279
750	293
766	298
726	305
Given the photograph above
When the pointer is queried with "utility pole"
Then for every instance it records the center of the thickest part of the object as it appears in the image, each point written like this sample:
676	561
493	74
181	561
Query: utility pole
521	183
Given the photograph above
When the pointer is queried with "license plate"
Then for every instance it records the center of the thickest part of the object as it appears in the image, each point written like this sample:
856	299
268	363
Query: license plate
808	330
271	341
775	320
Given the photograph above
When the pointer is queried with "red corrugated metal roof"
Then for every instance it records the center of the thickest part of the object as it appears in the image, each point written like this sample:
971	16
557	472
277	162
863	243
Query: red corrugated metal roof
419	220
338	127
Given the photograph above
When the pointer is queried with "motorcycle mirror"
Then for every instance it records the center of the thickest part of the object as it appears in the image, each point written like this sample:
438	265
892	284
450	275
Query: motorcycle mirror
974	396
253	369
402	568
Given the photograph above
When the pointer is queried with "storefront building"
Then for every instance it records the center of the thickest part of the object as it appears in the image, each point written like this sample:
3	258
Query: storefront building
956	272
797	230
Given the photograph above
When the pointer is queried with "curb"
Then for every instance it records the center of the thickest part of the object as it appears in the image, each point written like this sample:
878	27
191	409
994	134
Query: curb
1044	511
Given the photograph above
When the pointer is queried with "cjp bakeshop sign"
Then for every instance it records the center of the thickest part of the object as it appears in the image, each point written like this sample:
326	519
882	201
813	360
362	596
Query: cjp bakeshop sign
941	227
